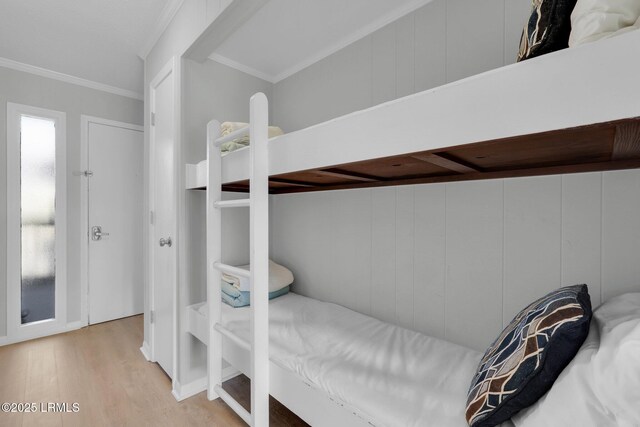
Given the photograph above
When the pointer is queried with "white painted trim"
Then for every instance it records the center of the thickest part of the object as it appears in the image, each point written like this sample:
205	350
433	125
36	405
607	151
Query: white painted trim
146	351
353	37
182	392
341	44
229	372
79	81
15	330
72	326
178	194
84	204
242	68
166	16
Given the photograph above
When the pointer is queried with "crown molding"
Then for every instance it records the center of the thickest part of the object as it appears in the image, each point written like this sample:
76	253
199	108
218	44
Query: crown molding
353	37
79	81
166	16
344	42
55	75
241	67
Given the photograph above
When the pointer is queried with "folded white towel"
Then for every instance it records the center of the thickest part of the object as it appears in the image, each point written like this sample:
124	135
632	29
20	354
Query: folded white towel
279	277
228	127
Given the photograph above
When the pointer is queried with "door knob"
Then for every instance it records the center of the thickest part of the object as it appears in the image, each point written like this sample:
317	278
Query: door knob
97	233
165	242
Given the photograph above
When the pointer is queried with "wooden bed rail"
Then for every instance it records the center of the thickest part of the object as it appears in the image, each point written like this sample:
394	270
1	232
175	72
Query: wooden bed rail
592	148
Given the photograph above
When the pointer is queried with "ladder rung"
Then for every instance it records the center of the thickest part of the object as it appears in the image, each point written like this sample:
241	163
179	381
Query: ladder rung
239	203
233	135
232	336
234	271
233	404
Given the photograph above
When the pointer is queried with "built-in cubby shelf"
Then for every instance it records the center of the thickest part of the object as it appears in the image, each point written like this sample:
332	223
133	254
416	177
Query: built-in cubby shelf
196	176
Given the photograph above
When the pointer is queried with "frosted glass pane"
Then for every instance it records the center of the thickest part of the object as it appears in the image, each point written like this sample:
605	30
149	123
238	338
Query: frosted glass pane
38	204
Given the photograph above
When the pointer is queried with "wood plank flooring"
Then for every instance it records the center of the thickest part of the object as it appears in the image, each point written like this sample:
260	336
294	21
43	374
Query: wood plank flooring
101	368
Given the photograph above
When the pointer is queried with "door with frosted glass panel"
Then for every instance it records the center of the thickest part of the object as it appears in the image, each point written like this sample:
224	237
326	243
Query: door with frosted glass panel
38	225
36	222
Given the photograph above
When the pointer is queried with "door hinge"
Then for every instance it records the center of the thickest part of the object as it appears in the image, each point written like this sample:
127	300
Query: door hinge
87	174
151	217
153	119
152	316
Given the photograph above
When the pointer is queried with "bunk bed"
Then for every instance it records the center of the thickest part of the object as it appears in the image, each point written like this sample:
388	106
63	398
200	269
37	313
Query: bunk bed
495	125
565	112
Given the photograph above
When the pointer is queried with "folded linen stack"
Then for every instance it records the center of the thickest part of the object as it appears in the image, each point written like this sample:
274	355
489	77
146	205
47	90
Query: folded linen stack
228	127
236	291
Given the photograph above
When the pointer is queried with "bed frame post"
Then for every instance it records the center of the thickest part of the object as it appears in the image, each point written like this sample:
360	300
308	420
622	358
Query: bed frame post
214	252
259	247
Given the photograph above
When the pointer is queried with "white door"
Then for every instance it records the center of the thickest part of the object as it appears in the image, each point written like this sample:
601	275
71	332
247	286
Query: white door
162	247
115	272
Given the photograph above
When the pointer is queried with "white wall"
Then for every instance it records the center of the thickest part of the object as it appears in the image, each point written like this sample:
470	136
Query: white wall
443	41
24	88
459	260
211	90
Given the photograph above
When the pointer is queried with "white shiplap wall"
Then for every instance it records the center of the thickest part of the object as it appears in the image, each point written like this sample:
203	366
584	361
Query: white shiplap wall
441	42
459	260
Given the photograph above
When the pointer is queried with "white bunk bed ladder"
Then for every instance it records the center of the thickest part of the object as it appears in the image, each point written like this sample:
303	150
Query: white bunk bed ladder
258	203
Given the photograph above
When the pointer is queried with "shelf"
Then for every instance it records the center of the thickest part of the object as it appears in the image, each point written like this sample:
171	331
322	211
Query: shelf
197	323
196	176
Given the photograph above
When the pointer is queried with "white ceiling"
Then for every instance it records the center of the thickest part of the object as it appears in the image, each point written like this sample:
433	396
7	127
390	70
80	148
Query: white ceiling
97	40
286	36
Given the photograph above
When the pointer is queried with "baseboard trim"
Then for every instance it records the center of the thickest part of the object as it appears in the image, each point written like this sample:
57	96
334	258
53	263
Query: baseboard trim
182	392
146	351
72	326
229	372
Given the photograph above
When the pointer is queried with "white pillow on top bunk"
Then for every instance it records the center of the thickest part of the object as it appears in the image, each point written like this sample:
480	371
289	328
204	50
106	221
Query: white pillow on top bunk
593	20
601	385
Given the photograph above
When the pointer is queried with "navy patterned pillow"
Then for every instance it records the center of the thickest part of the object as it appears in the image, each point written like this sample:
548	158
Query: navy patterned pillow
525	360
547	29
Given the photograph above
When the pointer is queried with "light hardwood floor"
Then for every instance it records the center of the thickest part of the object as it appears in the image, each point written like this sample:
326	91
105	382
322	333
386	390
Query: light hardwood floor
101	368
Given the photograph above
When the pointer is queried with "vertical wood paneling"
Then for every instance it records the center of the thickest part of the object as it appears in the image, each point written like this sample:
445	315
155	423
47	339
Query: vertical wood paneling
516	14
443	41
383	254
383	65
349	253
620	233
458	260
532	236
430	46
475	37
473	298
581	231
404	256
351	79
298	243
429	259
405	55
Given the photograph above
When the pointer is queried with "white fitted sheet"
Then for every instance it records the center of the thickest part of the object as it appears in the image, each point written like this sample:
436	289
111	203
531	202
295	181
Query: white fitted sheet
392	376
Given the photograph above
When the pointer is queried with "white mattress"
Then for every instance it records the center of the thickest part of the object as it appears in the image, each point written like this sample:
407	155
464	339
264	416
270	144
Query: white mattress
392	376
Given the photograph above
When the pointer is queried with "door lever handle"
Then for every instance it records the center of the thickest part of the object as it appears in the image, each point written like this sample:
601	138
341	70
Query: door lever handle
165	242
97	233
